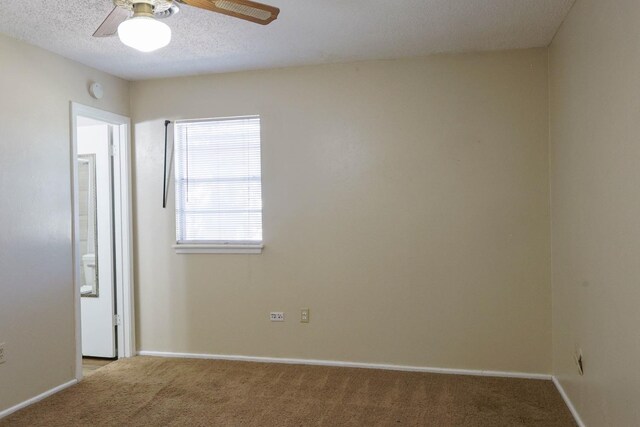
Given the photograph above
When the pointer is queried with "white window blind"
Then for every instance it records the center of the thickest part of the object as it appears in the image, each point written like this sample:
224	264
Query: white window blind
218	181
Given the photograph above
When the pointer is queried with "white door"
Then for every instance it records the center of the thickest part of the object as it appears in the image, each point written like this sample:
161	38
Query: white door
96	239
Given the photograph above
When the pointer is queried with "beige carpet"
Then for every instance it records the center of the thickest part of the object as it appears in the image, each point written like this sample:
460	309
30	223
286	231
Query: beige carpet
92	364
146	391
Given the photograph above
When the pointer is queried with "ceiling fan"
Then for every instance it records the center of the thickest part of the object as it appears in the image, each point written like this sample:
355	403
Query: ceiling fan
138	26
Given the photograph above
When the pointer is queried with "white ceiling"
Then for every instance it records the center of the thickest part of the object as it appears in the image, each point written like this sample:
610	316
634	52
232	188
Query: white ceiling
306	32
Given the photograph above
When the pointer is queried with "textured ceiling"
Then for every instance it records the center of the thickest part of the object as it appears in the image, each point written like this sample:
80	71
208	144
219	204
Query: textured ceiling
307	32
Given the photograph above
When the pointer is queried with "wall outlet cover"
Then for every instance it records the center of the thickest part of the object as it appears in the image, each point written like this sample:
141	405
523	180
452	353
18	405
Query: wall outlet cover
304	315
277	316
3	355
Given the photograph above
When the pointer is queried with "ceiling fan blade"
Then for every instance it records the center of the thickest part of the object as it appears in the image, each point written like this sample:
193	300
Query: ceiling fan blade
243	9
110	25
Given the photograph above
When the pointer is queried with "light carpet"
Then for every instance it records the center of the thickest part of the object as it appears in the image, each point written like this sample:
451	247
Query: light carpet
147	391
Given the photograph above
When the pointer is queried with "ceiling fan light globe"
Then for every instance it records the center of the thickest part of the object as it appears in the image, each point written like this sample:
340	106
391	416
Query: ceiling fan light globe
144	33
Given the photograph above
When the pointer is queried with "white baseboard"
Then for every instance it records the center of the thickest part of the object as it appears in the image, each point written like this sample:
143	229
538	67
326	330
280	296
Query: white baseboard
572	408
348	364
38	398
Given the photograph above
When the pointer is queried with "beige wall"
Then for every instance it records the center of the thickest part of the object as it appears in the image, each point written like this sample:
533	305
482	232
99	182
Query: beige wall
36	289
405	203
595	199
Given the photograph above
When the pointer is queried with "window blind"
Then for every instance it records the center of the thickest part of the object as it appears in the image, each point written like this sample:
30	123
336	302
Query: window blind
218	181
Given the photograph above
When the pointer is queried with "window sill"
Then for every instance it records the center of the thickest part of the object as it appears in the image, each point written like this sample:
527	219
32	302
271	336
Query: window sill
217	249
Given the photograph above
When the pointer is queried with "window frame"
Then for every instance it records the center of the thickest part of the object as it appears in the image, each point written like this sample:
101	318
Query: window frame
207	247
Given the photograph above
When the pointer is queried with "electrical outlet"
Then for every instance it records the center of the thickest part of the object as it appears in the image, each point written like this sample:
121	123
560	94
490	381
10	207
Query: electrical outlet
2	353
277	316
304	315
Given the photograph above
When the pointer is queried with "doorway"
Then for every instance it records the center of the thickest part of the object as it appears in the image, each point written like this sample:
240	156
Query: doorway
101	234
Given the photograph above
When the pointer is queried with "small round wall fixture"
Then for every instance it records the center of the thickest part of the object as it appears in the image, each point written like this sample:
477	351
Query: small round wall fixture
96	90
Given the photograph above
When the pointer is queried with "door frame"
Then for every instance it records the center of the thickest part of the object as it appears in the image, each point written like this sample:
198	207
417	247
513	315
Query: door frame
123	229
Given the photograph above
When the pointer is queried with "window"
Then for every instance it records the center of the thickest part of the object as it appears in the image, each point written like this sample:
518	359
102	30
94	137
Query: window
218	185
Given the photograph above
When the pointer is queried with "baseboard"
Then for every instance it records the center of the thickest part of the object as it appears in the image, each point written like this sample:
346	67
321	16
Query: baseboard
38	398
568	402
348	365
